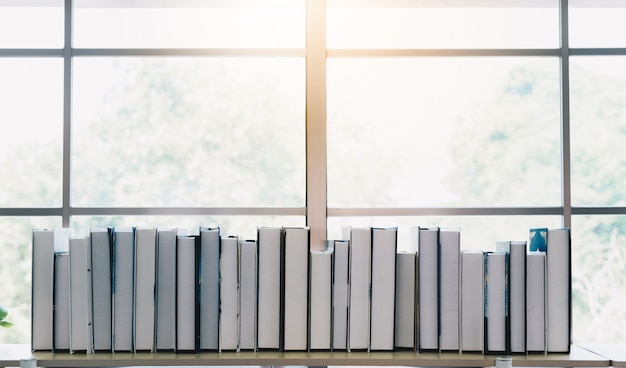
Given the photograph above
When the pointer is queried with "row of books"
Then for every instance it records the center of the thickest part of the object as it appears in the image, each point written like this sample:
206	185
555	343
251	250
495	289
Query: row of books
153	289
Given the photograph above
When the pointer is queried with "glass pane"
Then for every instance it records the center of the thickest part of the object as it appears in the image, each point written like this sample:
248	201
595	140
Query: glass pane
599	281
15	273
189	23
598	133
443	24
188	132
595	23
477	232
31	23
31	105
443	132
243	226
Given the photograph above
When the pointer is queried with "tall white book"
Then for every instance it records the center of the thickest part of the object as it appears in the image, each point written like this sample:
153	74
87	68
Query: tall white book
209	287
405	326
472	300
559	291
122	289
270	248
145	282
382	319
536	302
517	293
320	299
81	326
229	289
296	288
186	291
247	295
62	310
340	294
360	261
101	287
428	289
449	286
496	310
42	306
166	289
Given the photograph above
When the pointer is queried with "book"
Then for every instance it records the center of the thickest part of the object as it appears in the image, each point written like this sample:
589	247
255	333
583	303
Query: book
296	284
383	278
428	289
340	294
166	289
247	295
558	291
145	282
320	299
359	286
405	327
209	287
187	311
536	302
61	321
42	295
81	331
517	293
122	288
449	289
496	303
472	300
229	289
270	284
101	287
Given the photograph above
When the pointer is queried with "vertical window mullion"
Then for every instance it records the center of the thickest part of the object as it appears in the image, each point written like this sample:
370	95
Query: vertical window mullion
566	201
316	121
67	109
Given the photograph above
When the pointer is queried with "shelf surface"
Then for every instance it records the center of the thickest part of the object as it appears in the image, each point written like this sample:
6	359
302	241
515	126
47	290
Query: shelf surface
615	352
10	356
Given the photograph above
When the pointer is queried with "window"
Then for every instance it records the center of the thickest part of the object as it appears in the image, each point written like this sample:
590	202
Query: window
494	116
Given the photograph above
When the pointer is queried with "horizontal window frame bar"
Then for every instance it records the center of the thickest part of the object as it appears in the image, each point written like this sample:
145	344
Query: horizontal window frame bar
218	52
470	211
156	211
302	211
301	52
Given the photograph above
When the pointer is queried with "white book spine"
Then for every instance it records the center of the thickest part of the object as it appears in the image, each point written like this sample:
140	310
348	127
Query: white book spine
558	266
186	293
428	290
166	290
536	302
472	301
145	281
101	288
360	283
269	244
229	287
123	274
449	289
80	279
42	289
209	288
384	249
61	301
296	283
340	295
517	296
248	295
320	300
405	300
495	301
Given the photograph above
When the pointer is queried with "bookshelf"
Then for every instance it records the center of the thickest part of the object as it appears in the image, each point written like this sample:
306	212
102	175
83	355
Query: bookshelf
11	355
